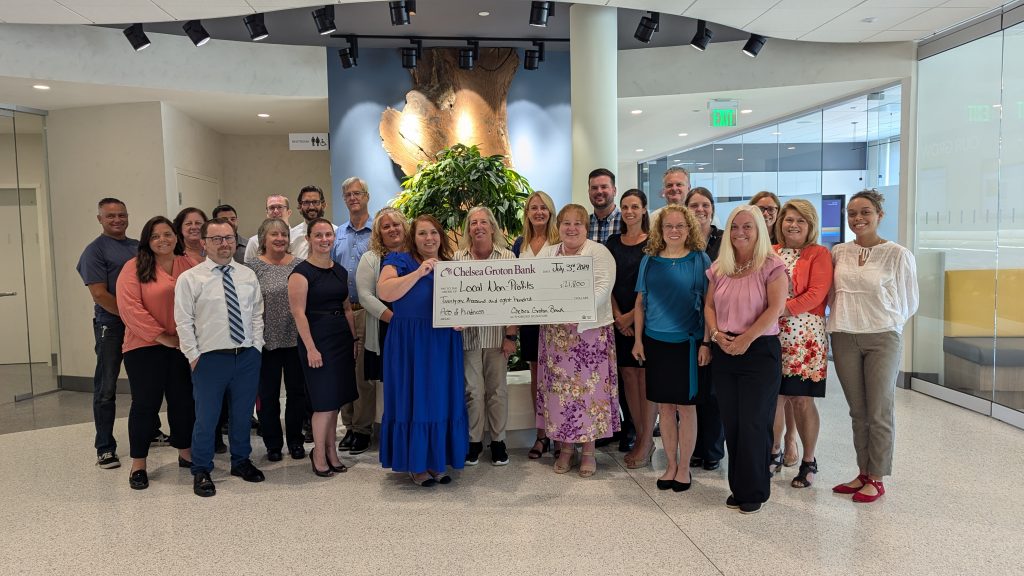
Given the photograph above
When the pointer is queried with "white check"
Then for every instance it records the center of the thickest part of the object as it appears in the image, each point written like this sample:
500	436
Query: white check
514	292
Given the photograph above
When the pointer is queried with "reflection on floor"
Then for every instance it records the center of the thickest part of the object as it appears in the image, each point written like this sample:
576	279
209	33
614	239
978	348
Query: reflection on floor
56	409
953	507
21	379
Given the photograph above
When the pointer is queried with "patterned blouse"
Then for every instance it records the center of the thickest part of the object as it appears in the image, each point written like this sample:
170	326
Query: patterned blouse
278	324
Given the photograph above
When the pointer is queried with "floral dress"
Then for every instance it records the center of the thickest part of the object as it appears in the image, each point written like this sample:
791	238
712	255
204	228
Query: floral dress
804	345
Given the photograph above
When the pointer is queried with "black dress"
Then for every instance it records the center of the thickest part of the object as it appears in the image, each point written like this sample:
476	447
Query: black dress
334	384
627	268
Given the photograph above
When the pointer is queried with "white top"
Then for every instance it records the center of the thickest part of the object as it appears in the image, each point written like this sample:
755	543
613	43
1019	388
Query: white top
297	235
526	251
879	296
366	284
604	279
201	312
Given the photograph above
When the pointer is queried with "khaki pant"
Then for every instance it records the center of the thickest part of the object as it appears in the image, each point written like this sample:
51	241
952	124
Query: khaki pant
486	392
358	415
867	365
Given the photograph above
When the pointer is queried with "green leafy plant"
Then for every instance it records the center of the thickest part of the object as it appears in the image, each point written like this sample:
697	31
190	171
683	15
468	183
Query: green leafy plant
460	179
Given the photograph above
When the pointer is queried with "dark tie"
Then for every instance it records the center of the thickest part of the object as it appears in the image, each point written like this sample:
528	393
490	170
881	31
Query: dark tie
234	312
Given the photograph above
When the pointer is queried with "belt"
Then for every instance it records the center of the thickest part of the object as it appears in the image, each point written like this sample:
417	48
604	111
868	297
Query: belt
324	312
357	306
229	351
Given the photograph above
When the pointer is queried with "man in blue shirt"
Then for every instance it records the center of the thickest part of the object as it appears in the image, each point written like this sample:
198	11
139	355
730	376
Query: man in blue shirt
606	219
351	241
99	267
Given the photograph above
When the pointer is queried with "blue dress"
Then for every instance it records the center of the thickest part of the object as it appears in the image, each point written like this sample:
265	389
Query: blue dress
424	425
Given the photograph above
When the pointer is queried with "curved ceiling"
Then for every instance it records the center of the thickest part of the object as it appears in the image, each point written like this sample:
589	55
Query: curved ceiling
809	20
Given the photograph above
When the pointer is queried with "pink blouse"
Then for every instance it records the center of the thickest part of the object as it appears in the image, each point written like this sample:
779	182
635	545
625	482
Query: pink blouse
739	301
148	309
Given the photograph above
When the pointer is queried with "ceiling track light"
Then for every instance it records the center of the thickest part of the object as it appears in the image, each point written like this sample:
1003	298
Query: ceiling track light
647	27
703	36
412	54
399	14
349	56
254	24
469	56
196	33
540	12
324	20
534	57
754	45
137	37
410	7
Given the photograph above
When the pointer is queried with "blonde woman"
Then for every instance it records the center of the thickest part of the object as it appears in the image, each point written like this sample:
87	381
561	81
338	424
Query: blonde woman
539	232
746	296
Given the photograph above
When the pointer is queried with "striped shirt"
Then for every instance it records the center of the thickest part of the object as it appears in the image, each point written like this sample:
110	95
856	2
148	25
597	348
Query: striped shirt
478	337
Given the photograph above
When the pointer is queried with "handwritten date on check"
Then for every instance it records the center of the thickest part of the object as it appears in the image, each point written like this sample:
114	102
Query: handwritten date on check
514	292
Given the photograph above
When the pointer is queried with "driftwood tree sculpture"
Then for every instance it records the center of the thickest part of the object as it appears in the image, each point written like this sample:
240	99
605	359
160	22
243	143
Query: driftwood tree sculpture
448	106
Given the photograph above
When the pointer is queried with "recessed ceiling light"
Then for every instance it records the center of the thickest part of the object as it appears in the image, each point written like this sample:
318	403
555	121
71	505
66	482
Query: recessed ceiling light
719	149
635	112
776	133
484	13
746	111
700	168
40	86
997	105
639	149
740	159
683	134
263	115
869	20
790	147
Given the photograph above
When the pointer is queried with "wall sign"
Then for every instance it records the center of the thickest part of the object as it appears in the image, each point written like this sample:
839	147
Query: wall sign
309	141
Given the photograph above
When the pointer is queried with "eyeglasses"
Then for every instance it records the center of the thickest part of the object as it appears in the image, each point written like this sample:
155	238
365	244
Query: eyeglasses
310	203
768	209
218	240
357	194
674	227
276	208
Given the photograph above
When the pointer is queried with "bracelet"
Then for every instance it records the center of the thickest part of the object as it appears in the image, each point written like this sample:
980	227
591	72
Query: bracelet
708	344
713	334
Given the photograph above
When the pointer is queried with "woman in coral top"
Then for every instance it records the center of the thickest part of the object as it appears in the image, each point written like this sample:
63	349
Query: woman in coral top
802	330
155	366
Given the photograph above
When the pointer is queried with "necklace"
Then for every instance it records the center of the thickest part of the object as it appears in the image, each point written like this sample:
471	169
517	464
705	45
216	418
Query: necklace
741	269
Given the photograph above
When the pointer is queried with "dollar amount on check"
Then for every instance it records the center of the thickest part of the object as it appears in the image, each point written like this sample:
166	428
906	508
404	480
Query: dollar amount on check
514	292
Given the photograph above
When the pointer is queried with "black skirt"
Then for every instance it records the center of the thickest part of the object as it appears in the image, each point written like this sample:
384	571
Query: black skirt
529	338
668	373
797	386
624	350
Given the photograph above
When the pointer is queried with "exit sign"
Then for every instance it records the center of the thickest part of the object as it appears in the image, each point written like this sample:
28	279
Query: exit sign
723	117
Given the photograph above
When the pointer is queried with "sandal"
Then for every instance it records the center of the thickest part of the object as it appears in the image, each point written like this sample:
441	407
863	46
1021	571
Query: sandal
776	463
561	467
795	453
587	471
633	463
801	480
544	446
844	489
867	498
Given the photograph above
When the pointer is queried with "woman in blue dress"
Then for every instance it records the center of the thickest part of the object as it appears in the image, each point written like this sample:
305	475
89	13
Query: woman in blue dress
424	428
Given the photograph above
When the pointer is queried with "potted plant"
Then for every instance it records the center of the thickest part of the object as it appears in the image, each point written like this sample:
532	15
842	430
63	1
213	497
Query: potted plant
460	179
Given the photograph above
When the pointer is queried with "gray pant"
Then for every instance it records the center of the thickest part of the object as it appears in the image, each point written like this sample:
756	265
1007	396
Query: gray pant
867	365
486	392
358	415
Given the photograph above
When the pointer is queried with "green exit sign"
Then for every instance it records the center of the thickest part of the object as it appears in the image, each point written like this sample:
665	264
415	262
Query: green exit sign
723	117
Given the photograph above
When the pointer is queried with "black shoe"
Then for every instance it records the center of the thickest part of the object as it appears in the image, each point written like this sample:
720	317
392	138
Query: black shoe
321	473
347	440
712	464
627	441
696	462
202	485
274	455
678	486
499	455
307	436
138	480
664	484
108	460
219	446
360	443
246	471
297	452
657	430
182	463
731	502
160	439
750	508
254	423
473	458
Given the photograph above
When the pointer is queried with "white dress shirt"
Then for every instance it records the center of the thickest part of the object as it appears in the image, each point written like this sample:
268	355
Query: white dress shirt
604	279
879	296
201	312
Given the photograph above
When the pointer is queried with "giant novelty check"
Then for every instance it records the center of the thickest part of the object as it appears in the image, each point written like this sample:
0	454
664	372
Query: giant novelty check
514	292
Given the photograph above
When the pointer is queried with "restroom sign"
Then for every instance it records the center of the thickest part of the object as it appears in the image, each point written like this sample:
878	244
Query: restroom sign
309	141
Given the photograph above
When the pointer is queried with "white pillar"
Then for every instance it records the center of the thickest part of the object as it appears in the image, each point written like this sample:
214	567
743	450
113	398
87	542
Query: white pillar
593	57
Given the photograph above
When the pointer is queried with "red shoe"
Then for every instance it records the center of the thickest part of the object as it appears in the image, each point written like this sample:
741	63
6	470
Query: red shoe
865	498
844	489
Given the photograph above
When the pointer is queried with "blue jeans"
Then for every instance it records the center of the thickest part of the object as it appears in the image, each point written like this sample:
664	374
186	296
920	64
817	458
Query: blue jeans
109	338
215	374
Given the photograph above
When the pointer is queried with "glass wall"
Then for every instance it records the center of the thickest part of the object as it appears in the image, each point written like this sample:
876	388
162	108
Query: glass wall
969	333
822	155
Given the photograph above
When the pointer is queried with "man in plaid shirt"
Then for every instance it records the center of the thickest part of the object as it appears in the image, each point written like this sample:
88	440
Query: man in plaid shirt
606	219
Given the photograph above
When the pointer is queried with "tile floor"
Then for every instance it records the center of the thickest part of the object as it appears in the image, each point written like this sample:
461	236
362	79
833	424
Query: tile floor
954	507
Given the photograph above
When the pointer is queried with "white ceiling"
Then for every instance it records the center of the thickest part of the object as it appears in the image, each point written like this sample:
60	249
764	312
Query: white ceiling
810	20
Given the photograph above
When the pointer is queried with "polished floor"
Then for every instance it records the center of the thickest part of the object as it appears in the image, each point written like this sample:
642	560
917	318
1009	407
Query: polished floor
955	506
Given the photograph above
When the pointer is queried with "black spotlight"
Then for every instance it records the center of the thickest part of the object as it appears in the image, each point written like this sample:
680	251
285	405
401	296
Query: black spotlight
196	33
254	24
399	15
647	27
540	12
137	37
702	37
410	7
754	45
412	54
534	57
349	56
468	56
324	19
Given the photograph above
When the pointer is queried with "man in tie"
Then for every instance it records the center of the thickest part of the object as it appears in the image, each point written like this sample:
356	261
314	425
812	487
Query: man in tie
219	312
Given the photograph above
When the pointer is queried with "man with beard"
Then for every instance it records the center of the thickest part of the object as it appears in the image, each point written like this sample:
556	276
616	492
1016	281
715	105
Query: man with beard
606	219
312	206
